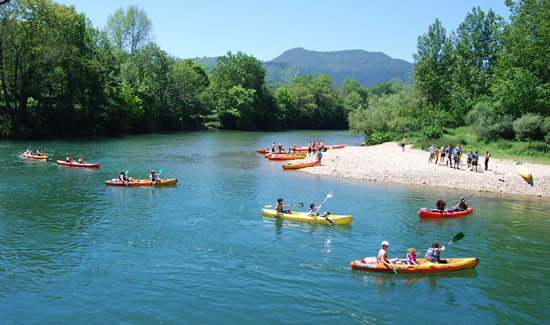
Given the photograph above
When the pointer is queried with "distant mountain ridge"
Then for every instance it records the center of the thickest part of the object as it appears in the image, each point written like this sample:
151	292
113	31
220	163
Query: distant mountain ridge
368	68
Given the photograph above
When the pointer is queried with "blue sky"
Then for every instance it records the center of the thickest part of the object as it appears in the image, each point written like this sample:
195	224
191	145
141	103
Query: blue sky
265	29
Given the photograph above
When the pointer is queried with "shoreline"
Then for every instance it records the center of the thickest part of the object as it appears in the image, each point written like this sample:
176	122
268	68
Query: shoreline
389	164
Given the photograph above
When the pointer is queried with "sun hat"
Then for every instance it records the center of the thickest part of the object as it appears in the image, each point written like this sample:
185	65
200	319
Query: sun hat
385	243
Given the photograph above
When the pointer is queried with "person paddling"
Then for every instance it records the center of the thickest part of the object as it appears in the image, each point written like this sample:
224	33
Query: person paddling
462	205
81	160
153	177
432	255
383	255
279	207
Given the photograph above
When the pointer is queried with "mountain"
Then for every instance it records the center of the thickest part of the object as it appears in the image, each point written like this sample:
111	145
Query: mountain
369	68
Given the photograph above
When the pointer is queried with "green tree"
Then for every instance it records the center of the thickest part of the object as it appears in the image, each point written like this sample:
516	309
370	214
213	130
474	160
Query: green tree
433	64
130	29
236	71
478	45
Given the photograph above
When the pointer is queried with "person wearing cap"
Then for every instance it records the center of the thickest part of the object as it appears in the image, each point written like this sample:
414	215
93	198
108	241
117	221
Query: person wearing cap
462	205
383	255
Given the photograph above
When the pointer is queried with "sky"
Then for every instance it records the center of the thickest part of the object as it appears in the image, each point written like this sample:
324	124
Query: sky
265	29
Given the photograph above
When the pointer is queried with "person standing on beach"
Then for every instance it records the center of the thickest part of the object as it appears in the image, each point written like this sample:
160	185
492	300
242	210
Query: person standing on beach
475	159
432	153
443	151
403	143
436	155
487	156
450	156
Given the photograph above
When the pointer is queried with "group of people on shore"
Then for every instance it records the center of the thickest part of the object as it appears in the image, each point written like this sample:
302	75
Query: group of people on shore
314	148
447	155
432	255
38	152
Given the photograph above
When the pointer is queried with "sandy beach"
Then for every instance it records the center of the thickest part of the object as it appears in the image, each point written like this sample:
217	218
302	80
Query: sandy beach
388	163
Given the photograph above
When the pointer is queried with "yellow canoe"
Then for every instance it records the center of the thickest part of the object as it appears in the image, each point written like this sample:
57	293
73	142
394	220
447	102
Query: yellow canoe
306	217
34	156
524	173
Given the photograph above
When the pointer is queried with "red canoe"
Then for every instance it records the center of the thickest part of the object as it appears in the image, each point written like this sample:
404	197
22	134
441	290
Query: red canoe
75	164
427	213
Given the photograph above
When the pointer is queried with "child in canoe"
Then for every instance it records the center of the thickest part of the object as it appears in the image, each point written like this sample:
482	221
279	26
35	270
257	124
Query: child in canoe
411	256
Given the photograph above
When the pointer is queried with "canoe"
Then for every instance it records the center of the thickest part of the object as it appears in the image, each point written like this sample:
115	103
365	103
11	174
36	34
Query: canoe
427	213
302	165
75	164
34	157
286	157
326	147
140	182
456	264
305	217
524	173
267	151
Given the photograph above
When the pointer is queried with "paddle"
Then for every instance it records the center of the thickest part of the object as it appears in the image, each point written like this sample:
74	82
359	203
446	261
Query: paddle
393	268
457	237
329	195
127	178
286	205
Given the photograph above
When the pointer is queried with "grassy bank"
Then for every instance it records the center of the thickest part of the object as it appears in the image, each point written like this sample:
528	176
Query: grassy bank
503	149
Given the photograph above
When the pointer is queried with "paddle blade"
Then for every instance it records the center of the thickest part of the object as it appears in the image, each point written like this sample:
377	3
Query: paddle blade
161	170
299	205
268	206
458	236
126	171
329	195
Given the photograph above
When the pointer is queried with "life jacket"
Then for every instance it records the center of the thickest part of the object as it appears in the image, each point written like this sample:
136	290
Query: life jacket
433	254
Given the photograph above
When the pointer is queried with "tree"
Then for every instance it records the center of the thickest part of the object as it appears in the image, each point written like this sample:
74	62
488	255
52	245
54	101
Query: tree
478	45
239	78
129	30
433	63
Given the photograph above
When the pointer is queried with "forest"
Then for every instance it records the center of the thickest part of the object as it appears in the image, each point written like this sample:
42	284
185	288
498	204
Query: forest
62	77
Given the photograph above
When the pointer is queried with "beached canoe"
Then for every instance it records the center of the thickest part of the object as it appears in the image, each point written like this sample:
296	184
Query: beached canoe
428	213
454	264
326	147
524	173
75	164
140	182
286	157
34	157
302	165
305	217
268	151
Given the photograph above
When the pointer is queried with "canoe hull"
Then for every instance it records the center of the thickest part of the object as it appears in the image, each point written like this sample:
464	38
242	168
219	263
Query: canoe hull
524	173
286	157
305	217
34	157
298	166
140	182
64	163
425	213
456	264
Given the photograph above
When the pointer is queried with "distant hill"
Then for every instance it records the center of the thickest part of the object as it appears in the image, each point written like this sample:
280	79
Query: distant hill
369	68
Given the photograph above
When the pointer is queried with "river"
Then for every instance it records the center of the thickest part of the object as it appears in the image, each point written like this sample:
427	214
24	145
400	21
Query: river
73	250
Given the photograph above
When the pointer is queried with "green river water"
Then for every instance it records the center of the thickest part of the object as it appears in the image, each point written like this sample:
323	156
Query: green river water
73	250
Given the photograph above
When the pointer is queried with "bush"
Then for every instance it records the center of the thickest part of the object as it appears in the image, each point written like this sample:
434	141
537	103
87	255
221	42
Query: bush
503	144
377	138
539	146
432	132
528	127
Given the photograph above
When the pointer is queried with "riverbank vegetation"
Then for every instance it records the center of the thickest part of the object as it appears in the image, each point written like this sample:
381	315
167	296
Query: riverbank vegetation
487	83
